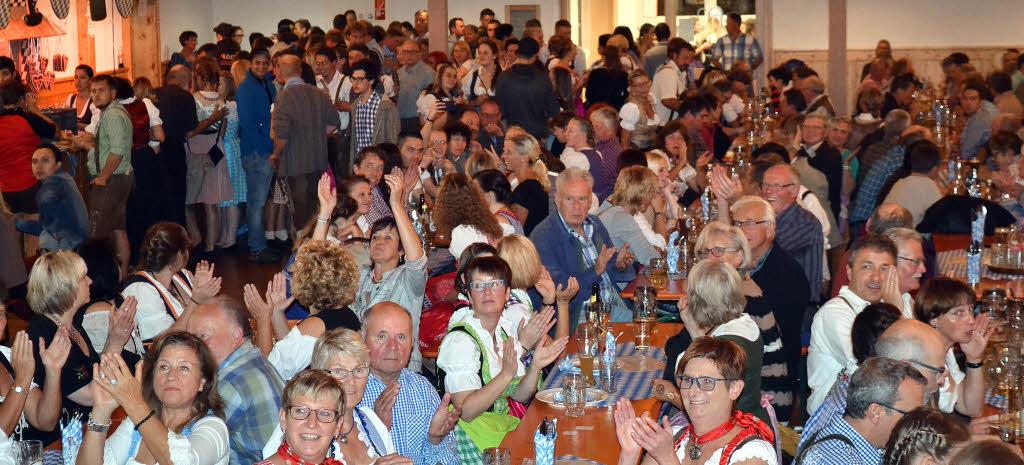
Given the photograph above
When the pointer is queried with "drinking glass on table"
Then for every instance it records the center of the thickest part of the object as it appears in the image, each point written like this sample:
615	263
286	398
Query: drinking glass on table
29	452
587	341
645	300
659	272
497	456
574	395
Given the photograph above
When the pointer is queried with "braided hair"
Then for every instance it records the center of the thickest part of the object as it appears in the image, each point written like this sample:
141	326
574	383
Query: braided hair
921	432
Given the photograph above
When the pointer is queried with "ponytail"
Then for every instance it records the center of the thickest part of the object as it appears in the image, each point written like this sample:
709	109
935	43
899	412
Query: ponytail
541	171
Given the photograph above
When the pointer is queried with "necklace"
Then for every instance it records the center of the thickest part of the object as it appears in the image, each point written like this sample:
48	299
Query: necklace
71	332
285	451
344	437
693	449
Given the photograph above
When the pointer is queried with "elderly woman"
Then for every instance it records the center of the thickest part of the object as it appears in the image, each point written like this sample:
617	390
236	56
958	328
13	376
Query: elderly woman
714	306
481	357
528	272
580	152
711	383
362	437
925	434
623	214
324	280
172	407
497	192
58	287
166	292
947	305
311	405
528	176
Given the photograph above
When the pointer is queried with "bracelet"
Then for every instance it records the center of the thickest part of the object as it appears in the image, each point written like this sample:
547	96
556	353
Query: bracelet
321	219
974	365
97	427
151	413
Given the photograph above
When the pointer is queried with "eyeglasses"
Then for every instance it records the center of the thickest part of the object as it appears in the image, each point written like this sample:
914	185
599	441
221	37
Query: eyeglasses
748	223
776	187
915	261
480	286
704	383
894	409
937	371
341	373
299	412
407	52
716	251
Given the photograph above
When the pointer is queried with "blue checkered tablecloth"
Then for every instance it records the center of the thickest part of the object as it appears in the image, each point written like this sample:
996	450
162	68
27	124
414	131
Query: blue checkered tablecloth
996	401
629	384
52	457
953	263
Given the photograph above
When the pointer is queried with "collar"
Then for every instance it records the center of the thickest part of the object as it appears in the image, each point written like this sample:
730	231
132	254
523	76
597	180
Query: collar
854	299
864	449
812	150
334	77
762	260
742	326
588	226
238	353
294	81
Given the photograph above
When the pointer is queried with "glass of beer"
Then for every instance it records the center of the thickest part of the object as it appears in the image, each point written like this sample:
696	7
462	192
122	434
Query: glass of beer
659	272
587	341
644	317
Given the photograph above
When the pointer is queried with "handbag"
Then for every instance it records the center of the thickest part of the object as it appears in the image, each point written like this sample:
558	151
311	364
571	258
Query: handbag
215	152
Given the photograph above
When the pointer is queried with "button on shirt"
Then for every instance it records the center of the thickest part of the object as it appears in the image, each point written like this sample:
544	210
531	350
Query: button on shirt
609	292
404	286
727	51
410	419
333	93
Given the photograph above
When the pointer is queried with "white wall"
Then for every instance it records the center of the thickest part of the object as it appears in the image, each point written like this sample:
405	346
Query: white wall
184	15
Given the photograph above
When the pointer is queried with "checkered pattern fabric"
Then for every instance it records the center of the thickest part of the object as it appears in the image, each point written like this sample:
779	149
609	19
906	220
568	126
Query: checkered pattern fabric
251	389
410	419
61	8
630	384
124	7
364	116
5	14
728	51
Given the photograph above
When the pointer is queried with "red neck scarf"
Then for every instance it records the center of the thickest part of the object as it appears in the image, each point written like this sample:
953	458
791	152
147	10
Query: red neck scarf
752	426
291	458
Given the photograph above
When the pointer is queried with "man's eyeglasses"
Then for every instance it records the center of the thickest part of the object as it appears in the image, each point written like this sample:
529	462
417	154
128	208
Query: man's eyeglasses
748	223
704	383
341	373
894	409
480	286
299	412
915	261
716	251
776	187
937	371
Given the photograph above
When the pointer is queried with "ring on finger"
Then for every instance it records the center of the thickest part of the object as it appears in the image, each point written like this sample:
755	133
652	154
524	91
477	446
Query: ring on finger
113	381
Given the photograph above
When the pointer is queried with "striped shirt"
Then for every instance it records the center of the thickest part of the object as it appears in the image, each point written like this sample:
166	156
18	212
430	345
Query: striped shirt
728	51
798	233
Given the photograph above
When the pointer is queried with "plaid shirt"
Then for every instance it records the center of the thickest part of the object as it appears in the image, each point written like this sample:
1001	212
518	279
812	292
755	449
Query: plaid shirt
837	451
410	419
609	292
831	408
251	390
365	116
874	181
378	206
728	51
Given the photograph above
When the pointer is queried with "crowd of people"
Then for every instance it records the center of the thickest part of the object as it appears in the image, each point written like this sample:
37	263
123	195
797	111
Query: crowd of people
440	218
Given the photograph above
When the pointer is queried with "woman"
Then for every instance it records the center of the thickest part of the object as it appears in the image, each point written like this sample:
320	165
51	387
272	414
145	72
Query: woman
481	357
480	161
497	193
528	272
166	292
460	209
658	162
324	280
869	117
371	163
187	56
461	54
204	139
310	393
445	89
639	122
646	39
81	100
673	141
62	222
173	412
623	214
564	83
104	293
478	76
714	306
58	287
838	136
925	436
608	82
528	176
946	304
710	379
362	437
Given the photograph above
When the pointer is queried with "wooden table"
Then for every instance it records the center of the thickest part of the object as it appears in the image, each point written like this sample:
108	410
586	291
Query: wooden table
675	289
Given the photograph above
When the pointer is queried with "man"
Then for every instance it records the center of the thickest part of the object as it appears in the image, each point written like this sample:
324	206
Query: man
456	28
471	35
8	70
791	103
302	118
20	133
693	113
255	96
420	25
606	136
486	16
780	277
110	168
883	50
337	87
672	78
405	401
879	161
901	93
413	76
492	29
910	267
873	279
812	193
563	29
880	394
492	134
980	111
374	117
575	244
656	56
813	90
798	232
736	46
524	92
823	157
249	386
918	191
885	217
1004	99
178	112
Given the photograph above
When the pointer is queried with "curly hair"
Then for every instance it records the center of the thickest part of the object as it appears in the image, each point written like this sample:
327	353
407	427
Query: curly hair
207	399
460	201
921	432
324	276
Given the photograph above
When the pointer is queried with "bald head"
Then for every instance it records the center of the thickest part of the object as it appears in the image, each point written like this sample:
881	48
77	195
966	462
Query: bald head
180	76
289	66
915	342
888	216
223	325
389	334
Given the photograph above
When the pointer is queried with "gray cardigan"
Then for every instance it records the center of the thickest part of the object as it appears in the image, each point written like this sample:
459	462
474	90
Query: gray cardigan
622	228
385	128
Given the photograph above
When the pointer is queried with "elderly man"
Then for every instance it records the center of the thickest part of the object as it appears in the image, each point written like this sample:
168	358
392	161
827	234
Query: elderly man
823	157
413	76
573	243
873	279
880	394
798	232
405	401
813	90
248	384
779	276
910	267
885	217
606	134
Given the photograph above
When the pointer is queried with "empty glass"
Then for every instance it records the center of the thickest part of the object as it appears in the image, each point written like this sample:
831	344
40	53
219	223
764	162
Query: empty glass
497	456
574	395
29	452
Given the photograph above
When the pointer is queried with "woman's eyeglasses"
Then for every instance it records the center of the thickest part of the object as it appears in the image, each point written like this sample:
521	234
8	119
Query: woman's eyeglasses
341	373
480	286
716	251
299	412
704	383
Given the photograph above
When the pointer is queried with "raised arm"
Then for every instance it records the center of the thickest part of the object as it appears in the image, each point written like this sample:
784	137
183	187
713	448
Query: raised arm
406	231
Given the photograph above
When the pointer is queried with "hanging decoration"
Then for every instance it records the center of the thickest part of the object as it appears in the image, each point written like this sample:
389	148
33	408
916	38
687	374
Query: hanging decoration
61	8
5	14
124	7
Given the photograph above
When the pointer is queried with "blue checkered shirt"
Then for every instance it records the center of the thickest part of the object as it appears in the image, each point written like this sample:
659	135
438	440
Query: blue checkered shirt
830	409
835	451
874	181
728	51
410	419
251	390
609	292
365	116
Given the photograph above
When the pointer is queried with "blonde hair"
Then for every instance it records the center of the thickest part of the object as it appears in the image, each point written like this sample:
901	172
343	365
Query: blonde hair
324	276
719	229
715	294
521	255
478	162
618	41
340	341
634	188
314	384
53	283
527	146
239	69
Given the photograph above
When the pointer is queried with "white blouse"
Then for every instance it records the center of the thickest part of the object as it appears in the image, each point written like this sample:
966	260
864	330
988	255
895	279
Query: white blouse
630	114
755	448
22	422
151	317
949	394
459	354
292	354
478	89
374	422
207	445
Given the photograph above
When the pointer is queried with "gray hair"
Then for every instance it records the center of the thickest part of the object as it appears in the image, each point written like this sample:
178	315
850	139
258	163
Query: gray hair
341	341
837	120
877	381
715	294
901	345
608	116
572	174
794	176
890	215
719	229
815	85
902	235
753	200
896	122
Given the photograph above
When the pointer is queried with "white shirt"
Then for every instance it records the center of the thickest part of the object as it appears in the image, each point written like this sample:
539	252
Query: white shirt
668	83
374	422
811	203
755	448
337	80
459	354
743	326
478	88
831	348
949	394
570	158
292	354
151	110
207	445
151	317
630	115
7	456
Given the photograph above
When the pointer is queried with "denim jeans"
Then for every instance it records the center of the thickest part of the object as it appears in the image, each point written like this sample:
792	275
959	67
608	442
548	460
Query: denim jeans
258	175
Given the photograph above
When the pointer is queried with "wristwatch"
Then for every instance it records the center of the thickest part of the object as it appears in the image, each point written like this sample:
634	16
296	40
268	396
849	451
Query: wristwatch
97	427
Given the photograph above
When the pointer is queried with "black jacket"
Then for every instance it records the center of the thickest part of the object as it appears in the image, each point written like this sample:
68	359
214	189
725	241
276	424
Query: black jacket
829	161
526	98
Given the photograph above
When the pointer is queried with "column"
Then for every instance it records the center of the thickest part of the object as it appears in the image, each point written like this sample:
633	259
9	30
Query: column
437	25
837	86
763	8
671	8
143	47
